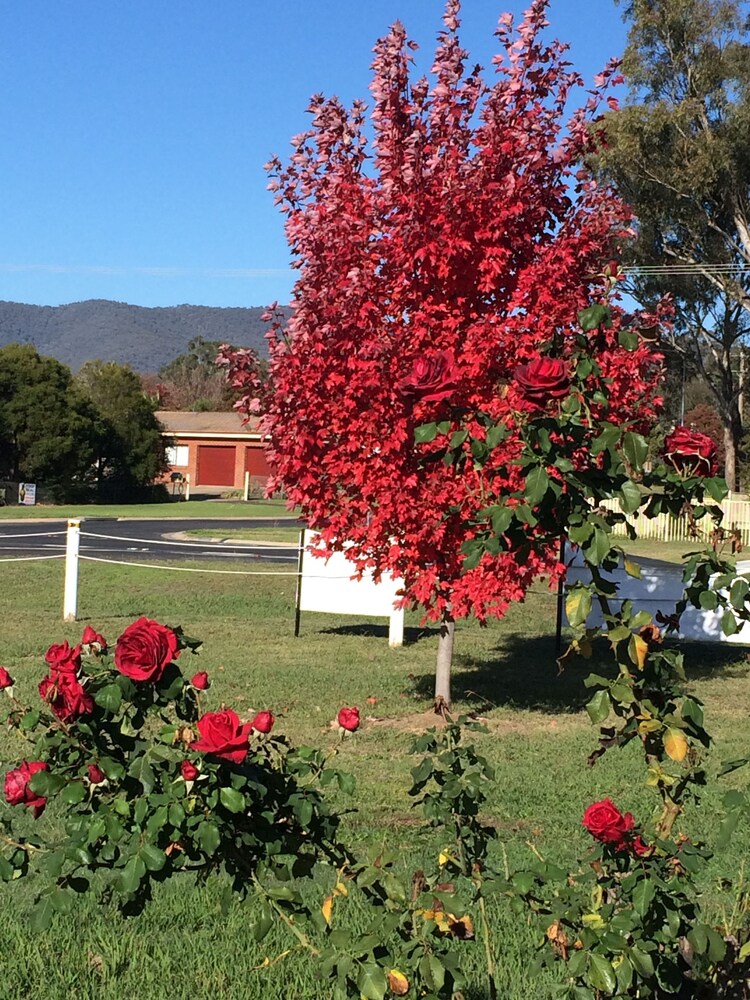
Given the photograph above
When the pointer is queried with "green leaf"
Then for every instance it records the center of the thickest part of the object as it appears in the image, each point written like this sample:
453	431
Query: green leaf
62	901
630	497
29	720
109	698
601	975
643	896
635	448
598	707
346	782
141	770
627	339
738	593
232	800
208	837
260	927
495	435
729	623
716	488
131	875
41	915
642	962
457	439
371	982
425	433
536	486
152	857
73	793
593	316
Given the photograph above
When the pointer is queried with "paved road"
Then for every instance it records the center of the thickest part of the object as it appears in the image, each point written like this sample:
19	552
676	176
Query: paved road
142	540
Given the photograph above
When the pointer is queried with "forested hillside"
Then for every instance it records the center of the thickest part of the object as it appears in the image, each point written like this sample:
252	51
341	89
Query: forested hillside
115	331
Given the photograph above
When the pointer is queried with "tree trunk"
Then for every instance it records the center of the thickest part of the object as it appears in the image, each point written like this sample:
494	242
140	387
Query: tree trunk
443	667
732	439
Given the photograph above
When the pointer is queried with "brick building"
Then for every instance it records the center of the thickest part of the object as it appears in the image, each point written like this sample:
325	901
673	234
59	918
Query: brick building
214	449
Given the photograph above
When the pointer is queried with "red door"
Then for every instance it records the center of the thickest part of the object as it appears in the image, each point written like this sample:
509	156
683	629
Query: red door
215	465
256	463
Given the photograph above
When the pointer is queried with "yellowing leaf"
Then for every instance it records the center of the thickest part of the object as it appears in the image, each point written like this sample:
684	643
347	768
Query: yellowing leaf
327	909
444	857
340	890
398	984
632	568
648	726
638	650
443	920
676	744
593	920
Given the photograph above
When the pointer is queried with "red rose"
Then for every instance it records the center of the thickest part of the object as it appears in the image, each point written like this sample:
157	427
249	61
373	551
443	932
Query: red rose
223	735
6	681
92	639
96	775
433	377
189	771
63	659
263	722
348	718
606	823
200	681
66	697
691	452
144	650
542	379
17	791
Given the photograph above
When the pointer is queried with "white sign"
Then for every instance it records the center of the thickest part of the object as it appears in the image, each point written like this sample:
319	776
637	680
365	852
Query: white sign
27	494
327	585
659	588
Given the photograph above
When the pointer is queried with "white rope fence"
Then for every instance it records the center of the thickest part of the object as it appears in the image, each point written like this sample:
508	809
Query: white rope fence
200	545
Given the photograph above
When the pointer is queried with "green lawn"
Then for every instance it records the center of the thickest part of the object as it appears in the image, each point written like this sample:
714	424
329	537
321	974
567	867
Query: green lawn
188	508
539	738
288	535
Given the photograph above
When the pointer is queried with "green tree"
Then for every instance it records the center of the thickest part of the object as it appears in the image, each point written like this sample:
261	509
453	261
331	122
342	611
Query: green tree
679	152
131	448
48	428
193	380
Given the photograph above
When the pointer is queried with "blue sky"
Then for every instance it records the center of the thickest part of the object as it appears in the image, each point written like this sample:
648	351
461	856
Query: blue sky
135	133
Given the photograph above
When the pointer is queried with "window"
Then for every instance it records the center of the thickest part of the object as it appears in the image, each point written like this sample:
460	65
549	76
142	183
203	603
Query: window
178	455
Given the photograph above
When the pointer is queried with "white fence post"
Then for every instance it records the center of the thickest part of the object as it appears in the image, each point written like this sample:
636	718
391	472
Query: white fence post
247	487
70	598
187	486
396	629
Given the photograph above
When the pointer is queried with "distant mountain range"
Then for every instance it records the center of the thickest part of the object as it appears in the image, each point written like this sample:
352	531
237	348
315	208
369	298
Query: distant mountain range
144	338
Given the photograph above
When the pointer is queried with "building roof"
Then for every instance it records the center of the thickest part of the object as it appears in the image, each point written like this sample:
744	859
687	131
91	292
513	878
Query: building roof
185	422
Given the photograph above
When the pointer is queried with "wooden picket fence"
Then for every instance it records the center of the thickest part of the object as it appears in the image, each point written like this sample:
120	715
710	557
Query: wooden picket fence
666	528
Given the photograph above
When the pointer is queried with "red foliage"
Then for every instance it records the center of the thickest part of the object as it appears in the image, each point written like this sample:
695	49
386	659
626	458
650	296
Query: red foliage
472	230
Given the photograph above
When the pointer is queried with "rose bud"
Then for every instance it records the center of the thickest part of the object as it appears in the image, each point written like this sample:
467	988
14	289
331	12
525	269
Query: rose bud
17	790
189	771
263	722
96	775
200	681
348	718
95	642
6	681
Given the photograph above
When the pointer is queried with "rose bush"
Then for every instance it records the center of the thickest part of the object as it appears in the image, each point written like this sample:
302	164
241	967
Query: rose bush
149	786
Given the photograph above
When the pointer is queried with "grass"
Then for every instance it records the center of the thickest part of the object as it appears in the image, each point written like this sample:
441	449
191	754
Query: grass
538	741
289	535
188	508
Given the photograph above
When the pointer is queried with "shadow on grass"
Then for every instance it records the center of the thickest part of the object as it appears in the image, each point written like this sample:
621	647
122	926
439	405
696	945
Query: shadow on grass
523	674
371	630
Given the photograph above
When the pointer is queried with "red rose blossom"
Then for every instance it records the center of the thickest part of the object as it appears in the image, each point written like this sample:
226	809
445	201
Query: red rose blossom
606	823
92	639
17	791
96	775
433	377
188	770
6	681
144	650
223	735
348	718
63	659
542	379
200	680
263	722
67	698
691	452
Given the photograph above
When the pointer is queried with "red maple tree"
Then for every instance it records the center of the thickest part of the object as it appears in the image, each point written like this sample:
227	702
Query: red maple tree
460	242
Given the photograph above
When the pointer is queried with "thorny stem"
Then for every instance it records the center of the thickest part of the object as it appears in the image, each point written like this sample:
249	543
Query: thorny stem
303	939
